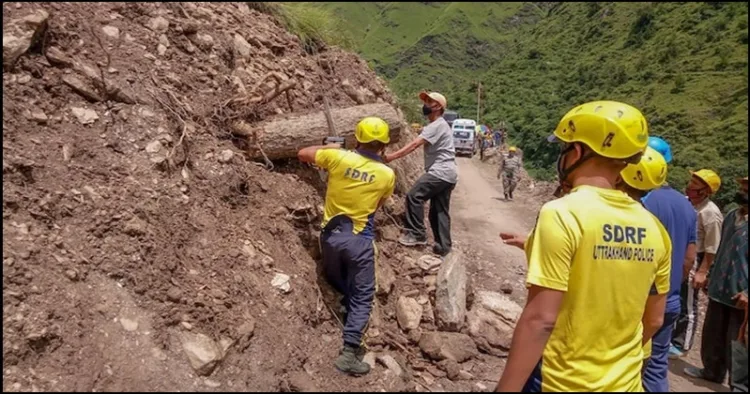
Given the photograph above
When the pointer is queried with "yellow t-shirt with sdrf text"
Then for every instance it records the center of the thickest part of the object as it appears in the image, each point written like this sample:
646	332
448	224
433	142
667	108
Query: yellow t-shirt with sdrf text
605	251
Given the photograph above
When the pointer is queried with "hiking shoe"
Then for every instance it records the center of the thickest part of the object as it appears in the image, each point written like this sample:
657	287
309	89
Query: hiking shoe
350	362
410	240
699	373
675	353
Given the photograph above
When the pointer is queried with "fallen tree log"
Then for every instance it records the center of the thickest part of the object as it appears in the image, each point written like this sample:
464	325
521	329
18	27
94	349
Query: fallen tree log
282	138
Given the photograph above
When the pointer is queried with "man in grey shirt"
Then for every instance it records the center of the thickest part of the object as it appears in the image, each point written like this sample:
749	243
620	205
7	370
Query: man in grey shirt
439	180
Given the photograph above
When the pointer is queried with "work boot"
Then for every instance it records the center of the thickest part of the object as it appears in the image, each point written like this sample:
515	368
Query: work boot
409	239
349	362
438	250
511	196
506	196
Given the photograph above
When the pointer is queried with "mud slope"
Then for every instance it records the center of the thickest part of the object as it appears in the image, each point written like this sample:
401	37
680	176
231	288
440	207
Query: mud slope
143	248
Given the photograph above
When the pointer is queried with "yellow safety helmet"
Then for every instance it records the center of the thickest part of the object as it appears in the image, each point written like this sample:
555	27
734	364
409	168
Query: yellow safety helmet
512	149
372	129
710	178
649	173
610	128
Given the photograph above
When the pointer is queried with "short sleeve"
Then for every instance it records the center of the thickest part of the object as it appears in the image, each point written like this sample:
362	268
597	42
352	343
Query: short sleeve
712	227
328	158
551	249
430	134
664	265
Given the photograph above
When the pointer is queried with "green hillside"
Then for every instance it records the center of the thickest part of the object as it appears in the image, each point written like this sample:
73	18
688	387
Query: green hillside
684	65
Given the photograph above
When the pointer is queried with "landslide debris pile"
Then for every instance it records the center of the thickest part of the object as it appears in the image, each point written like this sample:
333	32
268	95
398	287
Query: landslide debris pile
147	245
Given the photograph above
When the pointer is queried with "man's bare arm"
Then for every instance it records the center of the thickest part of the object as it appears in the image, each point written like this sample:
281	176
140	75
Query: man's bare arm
307	155
687	266
653	316
411	147
530	337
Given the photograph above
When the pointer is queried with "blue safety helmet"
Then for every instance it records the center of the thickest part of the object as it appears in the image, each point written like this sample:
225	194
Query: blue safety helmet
662	147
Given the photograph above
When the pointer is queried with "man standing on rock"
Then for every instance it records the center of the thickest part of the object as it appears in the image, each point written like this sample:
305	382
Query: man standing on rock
509	168
438	182
358	184
594	257
703	184
644	182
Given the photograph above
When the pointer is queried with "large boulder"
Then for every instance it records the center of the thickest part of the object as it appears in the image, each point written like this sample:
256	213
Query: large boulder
492	321
441	346
450	293
21	34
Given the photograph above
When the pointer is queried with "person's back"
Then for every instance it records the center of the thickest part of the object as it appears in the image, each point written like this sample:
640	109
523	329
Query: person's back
439	152
356	184
612	251
678	216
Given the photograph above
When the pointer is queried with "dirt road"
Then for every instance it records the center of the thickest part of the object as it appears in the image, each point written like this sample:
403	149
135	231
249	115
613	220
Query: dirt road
479	214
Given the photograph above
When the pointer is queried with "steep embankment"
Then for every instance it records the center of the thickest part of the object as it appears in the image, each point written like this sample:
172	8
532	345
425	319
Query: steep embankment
139	237
683	64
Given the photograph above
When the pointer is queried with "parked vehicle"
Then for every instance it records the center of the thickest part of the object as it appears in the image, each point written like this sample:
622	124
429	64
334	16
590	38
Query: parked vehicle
450	116
464	136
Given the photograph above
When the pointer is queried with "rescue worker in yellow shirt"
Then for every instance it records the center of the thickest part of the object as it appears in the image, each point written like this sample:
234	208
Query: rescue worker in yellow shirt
593	257
358	184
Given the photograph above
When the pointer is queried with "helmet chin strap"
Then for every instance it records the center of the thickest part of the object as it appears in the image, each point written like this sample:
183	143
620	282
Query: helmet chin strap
563	173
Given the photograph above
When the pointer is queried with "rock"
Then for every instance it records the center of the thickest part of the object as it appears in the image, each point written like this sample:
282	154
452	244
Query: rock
429	263
158	354
480	386
386	278
414	335
24	79
489	331
500	305
369	359
226	156
211	383
186	325
174	294
84	115
389	362
154	146
506	287
163	40
428	314
408	313
281	282
448	346
20	34
111	31
72	275
161	49
58	58
135	227
158	24
202	352
301	382
242	47
450	293
451	368
203	41
128	324
39	116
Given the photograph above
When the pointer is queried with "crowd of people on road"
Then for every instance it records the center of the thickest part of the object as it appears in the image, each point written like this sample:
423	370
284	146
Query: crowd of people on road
616	262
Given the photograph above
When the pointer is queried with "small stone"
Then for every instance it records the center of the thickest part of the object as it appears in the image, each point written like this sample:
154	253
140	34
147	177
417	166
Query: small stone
226	156
85	115
389	362
408	313
211	383
154	147
158	24
242	47
111	31
128	325
429	263
158	354
386	278
39	116
451	368
72	275
163	40
161	49
186	325
480	386
301	382
174	294
448	345
202	352
135	227
24	79
369	359
281	282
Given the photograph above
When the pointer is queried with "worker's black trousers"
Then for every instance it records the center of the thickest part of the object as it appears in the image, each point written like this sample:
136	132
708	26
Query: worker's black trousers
438	192
720	326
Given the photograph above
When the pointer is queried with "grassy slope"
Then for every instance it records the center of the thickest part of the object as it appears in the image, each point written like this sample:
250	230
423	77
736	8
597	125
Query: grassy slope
684	65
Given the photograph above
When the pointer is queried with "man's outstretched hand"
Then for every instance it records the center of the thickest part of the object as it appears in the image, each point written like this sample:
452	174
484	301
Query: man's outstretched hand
516	240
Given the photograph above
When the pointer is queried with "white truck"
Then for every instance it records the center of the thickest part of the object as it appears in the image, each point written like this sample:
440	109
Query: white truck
464	136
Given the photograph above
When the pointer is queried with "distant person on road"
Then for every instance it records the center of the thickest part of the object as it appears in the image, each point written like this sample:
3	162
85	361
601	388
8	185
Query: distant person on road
358	184
510	168
438	182
496	137
703	184
593	257
727	294
645	182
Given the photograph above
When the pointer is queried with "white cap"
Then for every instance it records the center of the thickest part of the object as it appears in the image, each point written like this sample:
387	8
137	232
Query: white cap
434	96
